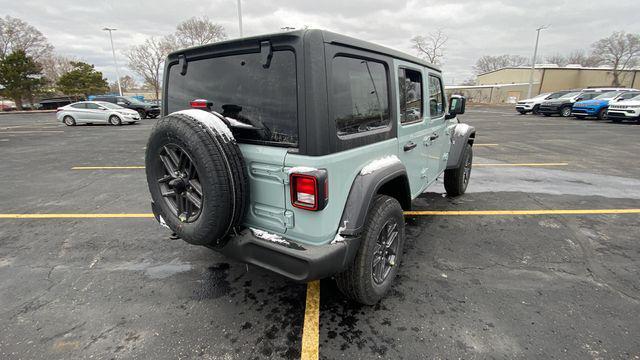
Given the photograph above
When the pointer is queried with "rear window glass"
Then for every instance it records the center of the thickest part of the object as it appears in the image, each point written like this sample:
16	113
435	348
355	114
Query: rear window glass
359	96
241	88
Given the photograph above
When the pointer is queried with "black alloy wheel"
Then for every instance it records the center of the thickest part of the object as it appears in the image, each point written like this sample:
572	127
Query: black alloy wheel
385	252
180	185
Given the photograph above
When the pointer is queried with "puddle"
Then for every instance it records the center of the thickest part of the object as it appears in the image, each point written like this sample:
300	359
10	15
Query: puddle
551	181
156	271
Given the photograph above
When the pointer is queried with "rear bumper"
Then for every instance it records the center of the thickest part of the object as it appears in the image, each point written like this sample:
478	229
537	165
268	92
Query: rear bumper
291	259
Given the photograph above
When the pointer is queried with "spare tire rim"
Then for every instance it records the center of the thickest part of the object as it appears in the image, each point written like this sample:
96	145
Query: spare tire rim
385	252
180	183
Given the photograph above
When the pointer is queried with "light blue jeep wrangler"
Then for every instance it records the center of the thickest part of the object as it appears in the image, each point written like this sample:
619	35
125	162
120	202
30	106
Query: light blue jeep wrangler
298	152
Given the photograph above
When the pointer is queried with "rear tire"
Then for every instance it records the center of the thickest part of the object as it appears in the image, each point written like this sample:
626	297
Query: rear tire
217	176
602	114
69	121
115	120
375	266
456	180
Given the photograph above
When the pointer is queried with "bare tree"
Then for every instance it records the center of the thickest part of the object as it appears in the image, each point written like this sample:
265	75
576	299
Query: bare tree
147	60
199	31
580	57
557	59
431	47
128	83
54	66
16	34
489	63
620	50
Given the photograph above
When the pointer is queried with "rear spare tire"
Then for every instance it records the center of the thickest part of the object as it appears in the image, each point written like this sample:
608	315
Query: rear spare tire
197	176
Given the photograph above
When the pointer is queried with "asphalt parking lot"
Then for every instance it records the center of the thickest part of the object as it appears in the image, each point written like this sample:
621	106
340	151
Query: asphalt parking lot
493	284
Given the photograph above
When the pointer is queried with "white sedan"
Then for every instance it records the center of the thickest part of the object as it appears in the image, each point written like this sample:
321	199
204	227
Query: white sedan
96	112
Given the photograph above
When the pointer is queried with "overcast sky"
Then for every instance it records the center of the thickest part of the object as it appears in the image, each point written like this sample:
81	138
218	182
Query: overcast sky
474	28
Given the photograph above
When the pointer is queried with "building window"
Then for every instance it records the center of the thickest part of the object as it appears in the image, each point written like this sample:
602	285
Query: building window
411	101
359	96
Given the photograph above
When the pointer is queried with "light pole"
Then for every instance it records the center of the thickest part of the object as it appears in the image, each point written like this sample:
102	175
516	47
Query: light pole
533	61
113	51
240	17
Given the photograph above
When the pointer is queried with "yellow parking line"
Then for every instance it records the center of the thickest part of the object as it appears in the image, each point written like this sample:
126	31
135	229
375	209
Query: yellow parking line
521	212
31	132
485	145
523	164
107	167
75	216
311	329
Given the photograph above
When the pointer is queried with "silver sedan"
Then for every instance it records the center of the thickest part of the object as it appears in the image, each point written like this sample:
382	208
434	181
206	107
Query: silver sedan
96	112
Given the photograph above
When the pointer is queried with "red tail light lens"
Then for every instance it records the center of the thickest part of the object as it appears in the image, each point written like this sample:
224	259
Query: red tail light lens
201	104
309	191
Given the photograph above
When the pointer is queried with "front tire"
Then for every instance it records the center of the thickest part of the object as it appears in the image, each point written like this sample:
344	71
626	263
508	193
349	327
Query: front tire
536	110
375	266
142	114
565	111
522	112
115	120
456	180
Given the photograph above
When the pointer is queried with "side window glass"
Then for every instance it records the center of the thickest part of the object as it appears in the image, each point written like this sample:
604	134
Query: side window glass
436	97
92	106
359	96
79	106
411	101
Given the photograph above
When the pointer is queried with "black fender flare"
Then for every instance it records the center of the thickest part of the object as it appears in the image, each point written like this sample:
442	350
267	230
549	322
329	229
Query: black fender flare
461	134
363	191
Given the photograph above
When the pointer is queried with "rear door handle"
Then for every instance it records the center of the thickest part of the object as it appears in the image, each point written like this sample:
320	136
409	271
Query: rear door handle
409	146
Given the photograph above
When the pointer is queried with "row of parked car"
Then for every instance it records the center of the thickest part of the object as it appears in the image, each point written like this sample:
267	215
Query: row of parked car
616	104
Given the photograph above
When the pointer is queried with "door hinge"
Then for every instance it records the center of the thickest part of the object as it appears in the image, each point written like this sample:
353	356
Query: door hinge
270	171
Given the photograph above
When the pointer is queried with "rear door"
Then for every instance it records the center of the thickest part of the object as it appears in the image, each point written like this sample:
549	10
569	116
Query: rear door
95	113
412	125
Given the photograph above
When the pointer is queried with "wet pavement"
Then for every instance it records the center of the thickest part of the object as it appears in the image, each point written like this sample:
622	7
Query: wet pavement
551	286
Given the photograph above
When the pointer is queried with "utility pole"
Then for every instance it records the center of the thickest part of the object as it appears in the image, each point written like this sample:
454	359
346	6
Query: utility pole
240	16
533	60
113	51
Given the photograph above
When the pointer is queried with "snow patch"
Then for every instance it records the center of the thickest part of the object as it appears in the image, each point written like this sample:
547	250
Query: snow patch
300	170
211	120
239	124
338	238
261	234
162	222
461	129
379	164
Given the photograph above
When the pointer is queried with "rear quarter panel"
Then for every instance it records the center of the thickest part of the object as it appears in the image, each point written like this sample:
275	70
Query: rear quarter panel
320	227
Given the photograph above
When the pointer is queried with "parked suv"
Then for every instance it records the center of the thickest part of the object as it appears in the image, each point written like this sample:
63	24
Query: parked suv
563	104
532	105
298	152
145	110
598	105
628	109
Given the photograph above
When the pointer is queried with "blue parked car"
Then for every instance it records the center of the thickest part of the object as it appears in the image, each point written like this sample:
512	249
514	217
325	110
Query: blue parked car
597	107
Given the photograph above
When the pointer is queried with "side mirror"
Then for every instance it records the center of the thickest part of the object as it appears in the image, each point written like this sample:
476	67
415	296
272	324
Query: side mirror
457	104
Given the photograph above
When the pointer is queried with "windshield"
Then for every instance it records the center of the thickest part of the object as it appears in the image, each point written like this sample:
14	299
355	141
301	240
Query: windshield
569	95
607	95
109	105
262	100
133	100
556	95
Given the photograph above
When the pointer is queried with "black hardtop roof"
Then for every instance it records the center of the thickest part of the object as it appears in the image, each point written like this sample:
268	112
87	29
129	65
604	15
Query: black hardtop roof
328	36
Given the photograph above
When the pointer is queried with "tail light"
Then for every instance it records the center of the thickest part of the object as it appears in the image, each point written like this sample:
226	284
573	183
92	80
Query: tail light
203	104
309	190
